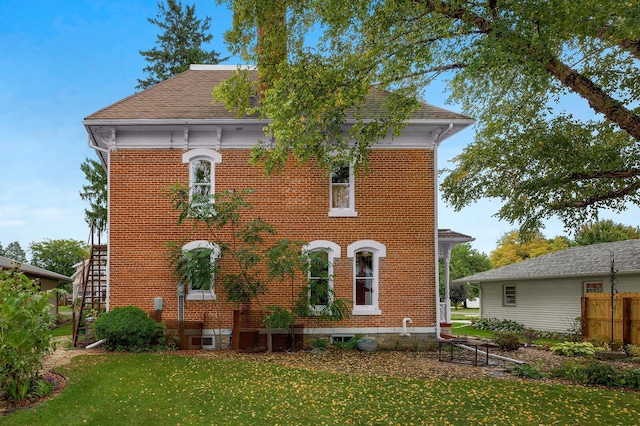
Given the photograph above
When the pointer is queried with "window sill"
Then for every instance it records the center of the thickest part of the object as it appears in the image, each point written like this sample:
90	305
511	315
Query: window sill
343	213
366	311
200	295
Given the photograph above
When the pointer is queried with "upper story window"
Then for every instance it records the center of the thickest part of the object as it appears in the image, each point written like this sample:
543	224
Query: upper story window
342	196
366	255
201	172
200	261
320	277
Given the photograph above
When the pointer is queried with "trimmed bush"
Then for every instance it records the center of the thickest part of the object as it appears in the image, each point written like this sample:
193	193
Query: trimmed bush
128	329
506	340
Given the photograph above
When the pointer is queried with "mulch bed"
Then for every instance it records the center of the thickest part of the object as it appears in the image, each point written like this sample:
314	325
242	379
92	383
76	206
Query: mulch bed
59	383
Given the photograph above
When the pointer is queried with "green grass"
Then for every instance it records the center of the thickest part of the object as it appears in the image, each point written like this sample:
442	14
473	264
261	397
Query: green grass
148	389
63	330
65	308
469	331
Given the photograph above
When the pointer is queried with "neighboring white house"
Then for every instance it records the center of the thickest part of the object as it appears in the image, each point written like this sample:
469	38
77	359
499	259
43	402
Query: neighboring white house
544	293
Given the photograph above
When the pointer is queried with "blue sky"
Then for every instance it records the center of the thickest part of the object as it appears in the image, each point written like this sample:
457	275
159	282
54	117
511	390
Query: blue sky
62	61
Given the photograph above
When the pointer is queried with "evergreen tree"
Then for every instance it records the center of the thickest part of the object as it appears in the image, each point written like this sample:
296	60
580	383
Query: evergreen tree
95	192
15	252
179	45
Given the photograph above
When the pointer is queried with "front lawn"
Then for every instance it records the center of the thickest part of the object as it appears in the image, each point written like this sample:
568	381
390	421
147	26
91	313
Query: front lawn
155	390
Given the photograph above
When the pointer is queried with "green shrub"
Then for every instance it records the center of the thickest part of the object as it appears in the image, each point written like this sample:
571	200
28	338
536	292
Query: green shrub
128	329
574	349
492	324
319	343
597	373
591	373
526	370
25	333
506	340
631	379
350	344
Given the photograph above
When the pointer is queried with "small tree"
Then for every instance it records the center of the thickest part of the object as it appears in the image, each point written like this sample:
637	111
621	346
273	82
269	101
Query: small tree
250	257
25	333
457	293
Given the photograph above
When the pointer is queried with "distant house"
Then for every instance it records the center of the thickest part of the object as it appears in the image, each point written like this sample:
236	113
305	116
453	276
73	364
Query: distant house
48	280
544	293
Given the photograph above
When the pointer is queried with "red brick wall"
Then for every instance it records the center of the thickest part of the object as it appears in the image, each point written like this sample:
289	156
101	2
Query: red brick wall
394	201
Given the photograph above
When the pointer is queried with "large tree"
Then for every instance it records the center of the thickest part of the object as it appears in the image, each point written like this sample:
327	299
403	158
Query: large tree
58	255
513	248
465	261
95	192
605	231
179	45
510	64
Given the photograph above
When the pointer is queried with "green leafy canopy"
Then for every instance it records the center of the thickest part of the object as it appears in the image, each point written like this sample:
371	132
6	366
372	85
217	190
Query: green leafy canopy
510	64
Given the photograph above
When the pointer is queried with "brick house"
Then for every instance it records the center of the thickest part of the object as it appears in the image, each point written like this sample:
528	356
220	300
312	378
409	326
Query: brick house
385	219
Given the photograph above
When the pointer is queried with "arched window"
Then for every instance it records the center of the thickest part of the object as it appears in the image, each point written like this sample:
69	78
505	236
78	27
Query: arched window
202	172
198	265
366	255
322	254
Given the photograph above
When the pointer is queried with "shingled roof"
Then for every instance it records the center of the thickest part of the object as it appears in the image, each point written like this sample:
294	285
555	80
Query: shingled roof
188	96
31	271
579	261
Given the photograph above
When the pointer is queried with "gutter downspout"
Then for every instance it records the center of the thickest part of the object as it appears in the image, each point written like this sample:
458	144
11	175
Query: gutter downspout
437	141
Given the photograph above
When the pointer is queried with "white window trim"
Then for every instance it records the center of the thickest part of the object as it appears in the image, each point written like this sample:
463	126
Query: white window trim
202	154
333	252
351	210
202	294
504	295
379	251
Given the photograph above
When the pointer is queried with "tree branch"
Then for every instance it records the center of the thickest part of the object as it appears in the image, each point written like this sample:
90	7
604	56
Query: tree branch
611	174
610	195
598	99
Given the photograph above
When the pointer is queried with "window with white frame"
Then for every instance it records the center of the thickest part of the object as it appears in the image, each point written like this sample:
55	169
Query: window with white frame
341	192
366	255
509	295
593	287
202	173
322	254
198	266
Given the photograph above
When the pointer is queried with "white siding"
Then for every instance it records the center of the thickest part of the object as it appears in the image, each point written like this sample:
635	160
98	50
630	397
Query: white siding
550	305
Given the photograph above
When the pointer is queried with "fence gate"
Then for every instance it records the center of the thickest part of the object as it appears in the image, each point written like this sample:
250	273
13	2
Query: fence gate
597	318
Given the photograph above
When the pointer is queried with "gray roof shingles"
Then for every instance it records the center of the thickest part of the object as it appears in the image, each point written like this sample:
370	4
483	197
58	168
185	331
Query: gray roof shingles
188	96
588	260
30	270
